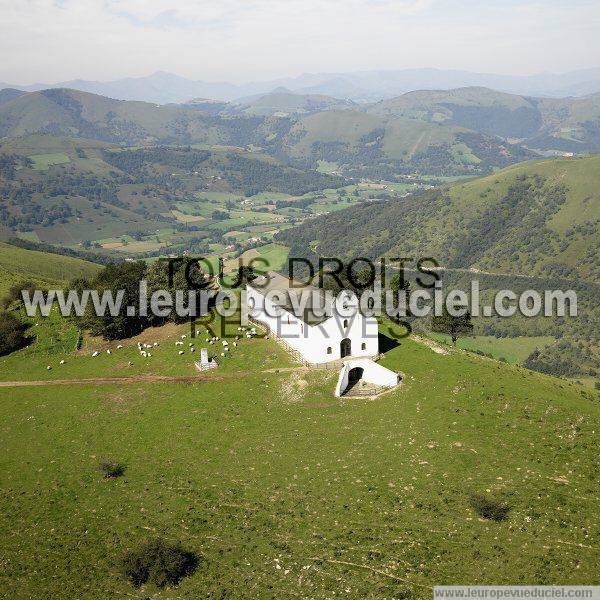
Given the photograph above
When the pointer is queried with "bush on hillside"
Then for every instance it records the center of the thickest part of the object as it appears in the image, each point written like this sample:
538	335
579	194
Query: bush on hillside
13	333
489	508
158	562
111	468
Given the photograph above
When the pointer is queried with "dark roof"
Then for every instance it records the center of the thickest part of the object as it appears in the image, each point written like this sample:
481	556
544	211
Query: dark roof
317	299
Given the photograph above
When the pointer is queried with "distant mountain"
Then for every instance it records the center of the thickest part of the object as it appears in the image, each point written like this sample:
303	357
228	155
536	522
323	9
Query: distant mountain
364	86
363	144
567	124
285	103
537	218
8	94
463	131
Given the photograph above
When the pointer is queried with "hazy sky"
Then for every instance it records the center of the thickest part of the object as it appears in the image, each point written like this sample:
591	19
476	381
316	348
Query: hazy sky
242	40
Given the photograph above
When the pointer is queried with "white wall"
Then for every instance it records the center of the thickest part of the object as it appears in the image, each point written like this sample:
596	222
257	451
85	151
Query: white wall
312	341
372	373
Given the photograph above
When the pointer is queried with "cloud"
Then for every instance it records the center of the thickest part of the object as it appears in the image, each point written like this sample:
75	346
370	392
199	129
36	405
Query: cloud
52	40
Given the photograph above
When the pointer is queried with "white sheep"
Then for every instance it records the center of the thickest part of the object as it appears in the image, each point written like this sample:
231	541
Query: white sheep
183	336
180	352
108	351
49	368
95	353
62	362
192	349
119	346
235	344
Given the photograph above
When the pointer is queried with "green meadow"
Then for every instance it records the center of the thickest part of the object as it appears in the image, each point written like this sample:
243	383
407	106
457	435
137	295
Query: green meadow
282	489
513	350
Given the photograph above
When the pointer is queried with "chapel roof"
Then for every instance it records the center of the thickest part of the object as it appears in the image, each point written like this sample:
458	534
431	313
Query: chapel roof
272	281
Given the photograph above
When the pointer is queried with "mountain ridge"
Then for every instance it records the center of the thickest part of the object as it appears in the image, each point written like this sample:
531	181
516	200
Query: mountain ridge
367	86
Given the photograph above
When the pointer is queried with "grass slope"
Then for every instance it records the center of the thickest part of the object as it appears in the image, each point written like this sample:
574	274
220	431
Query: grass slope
361	138
568	124
17	264
285	490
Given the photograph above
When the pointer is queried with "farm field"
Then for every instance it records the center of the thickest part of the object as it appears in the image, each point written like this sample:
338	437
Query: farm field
282	489
42	162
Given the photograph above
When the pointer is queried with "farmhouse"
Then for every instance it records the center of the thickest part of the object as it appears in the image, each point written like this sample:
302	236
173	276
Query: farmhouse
319	328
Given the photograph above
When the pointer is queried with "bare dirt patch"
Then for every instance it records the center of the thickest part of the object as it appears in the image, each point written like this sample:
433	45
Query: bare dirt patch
148	336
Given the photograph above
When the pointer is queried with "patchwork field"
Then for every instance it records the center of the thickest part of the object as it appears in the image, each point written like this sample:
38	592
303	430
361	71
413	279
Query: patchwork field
283	490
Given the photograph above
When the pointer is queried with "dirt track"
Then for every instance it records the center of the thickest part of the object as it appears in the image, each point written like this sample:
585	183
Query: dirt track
199	378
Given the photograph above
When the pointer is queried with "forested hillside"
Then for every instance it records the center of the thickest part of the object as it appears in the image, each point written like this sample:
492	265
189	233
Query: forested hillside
540	218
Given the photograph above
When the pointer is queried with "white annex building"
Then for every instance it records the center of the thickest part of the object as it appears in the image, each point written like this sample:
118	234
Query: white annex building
328	329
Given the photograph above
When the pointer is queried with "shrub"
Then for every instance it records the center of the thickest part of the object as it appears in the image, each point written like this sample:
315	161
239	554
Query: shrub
489	508
14	293
111	468
158	562
12	333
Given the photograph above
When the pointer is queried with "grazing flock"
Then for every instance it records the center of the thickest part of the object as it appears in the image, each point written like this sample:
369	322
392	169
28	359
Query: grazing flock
227	349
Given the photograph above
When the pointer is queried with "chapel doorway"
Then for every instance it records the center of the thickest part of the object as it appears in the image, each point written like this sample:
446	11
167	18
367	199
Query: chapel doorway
345	347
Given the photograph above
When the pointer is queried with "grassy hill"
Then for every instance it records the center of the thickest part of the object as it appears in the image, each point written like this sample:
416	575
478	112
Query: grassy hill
569	124
282	489
18	264
537	218
80	114
394	146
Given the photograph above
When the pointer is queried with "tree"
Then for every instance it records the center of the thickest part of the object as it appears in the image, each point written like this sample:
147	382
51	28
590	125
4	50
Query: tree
12	333
399	284
186	275
126	277
452	326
